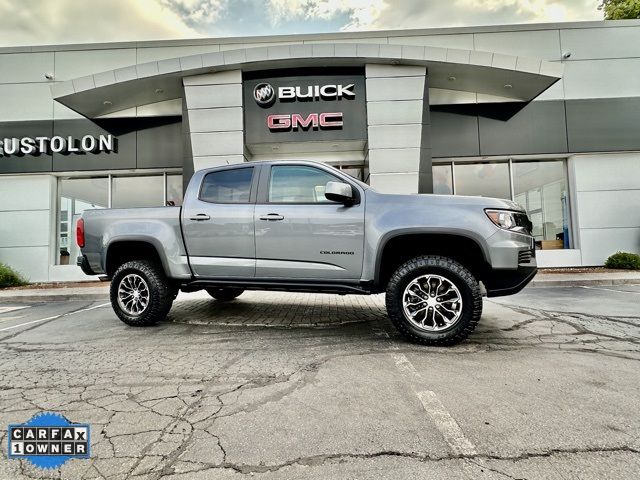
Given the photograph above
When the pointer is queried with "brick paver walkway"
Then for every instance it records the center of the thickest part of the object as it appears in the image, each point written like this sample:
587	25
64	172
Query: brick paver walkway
278	309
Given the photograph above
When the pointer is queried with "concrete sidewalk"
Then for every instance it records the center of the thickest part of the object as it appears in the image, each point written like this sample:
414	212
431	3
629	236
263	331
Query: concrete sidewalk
101	292
622	277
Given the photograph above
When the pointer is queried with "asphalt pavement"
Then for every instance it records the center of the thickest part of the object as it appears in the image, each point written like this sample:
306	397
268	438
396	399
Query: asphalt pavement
278	385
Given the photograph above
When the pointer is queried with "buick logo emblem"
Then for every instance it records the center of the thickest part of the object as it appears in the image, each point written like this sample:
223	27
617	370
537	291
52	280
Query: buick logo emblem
264	94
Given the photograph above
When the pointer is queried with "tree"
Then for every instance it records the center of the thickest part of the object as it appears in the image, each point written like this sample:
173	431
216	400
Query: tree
620	9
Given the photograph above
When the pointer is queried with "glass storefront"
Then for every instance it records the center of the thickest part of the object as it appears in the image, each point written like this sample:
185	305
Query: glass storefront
540	186
77	194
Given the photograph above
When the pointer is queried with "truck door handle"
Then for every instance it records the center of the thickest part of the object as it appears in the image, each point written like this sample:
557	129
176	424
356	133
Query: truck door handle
200	217
272	216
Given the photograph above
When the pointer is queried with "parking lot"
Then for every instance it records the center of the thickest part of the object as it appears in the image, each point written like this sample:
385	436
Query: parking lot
278	385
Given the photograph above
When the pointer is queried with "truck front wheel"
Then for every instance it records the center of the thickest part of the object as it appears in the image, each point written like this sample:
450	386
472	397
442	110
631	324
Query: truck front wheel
140	293
434	300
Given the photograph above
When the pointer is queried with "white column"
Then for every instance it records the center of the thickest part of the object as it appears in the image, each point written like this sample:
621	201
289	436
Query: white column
26	222
213	119
398	128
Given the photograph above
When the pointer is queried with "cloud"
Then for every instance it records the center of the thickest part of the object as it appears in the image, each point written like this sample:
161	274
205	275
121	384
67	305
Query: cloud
360	13
197	13
398	14
33	22
70	21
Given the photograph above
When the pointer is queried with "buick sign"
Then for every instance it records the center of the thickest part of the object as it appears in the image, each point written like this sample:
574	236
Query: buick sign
264	95
301	108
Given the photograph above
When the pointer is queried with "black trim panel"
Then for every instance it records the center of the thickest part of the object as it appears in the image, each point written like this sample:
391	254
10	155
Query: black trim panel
508	282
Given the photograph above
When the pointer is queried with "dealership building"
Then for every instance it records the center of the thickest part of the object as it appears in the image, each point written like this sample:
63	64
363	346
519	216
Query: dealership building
547	115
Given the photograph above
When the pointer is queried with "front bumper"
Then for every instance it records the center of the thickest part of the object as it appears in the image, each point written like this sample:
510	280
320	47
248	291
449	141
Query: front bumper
508	282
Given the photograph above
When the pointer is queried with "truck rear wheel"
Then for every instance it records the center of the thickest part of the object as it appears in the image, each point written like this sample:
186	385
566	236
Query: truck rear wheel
140	293
225	294
434	300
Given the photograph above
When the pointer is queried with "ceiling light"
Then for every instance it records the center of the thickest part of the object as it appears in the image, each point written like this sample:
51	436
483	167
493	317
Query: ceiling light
452	78
107	103
159	90
508	86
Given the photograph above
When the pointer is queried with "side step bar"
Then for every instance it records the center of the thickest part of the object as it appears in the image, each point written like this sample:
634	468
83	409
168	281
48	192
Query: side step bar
317	287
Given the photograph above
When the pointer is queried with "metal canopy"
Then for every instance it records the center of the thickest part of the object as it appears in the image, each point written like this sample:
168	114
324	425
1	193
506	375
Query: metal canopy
517	78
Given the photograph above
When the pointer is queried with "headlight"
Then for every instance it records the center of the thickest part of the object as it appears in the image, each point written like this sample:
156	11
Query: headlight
506	220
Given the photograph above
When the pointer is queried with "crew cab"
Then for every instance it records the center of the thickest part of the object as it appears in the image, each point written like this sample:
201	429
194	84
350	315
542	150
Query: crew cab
306	226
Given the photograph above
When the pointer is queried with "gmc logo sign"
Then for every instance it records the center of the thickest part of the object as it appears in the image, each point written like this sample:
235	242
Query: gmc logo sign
314	121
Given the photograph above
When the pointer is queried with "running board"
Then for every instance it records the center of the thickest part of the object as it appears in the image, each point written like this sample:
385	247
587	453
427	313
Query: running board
313	287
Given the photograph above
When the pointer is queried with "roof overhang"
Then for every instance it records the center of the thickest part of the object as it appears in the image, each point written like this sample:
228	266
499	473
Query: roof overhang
517	78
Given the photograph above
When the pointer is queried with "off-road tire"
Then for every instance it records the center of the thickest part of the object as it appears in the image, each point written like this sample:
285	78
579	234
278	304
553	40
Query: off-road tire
454	272
225	294
161	294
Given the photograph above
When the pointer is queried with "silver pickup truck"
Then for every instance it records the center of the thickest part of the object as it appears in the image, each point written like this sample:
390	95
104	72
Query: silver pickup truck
305	226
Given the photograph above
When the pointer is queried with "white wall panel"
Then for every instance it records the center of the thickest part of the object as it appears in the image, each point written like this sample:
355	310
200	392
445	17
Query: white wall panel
395	136
609	209
24	228
400	88
375	70
25	101
464	41
396	160
207	96
25	67
153	54
13	188
598	244
73	64
200	163
217	143
391	113
32	262
541	44
607	171
602	78
611	42
405	183
215	119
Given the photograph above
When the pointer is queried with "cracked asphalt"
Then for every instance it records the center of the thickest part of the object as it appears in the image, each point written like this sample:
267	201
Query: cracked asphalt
313	386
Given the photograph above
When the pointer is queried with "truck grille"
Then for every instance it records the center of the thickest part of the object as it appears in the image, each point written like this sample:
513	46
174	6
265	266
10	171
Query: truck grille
525	256
522	220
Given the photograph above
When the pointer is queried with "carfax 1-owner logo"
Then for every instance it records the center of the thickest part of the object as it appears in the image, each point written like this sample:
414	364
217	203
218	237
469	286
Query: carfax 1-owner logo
48	440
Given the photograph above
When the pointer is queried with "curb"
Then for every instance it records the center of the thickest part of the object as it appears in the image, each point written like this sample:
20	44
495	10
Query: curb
585	283
54	298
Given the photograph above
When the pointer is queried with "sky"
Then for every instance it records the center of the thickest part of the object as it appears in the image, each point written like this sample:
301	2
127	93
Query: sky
37	22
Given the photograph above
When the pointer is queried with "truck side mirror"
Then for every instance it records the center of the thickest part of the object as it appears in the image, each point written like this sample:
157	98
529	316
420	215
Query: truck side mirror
338	192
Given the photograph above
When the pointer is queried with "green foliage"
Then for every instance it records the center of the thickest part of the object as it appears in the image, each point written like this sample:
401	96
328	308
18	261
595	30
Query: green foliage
624	260
10	278
620	9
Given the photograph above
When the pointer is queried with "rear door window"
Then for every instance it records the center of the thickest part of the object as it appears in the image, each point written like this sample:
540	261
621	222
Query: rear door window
227	186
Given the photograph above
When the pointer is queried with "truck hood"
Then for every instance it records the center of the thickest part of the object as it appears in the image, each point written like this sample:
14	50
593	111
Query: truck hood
452	200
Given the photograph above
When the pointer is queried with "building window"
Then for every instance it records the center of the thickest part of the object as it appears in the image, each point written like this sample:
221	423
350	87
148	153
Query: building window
539	186
174	190
485	179
442	180
131	192
77	194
